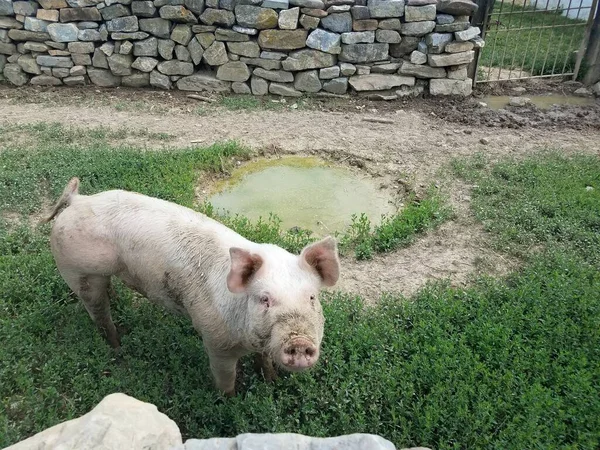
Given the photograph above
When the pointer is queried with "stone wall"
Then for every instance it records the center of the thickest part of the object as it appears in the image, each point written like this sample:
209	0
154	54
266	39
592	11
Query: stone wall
379	48
121	422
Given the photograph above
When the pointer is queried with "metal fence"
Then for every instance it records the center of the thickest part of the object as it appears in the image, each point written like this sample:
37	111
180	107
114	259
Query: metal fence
533	38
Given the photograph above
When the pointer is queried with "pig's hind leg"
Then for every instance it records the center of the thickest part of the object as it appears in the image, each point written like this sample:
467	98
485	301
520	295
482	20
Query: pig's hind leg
93	290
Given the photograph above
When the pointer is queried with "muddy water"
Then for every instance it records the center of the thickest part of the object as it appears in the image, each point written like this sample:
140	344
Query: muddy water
541	101
302	192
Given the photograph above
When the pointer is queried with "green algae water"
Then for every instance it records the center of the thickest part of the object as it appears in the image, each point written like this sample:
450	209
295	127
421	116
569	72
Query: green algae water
302	192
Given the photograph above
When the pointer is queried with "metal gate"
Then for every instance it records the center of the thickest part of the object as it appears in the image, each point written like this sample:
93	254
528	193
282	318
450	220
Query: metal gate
532	38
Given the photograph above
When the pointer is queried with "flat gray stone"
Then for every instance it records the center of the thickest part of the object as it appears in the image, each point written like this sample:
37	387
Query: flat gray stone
324	41
233	71
458	47
467	35
36	47
422	70
309	22
248	49
24	35
317	4
379	82
308	81
361	53
63	32
195	6
77	71
89	36
76	80
224	34
160	81
288	19
451	27
54	61
156	26
80	59
144	64
328	73
358	37
256	17
336	86
245	30
338	22
142	8
267	64
88	25
390	24
99	60
6	8
406	46
360	12
212	16
457	7
24	8
29	64
381	9
175	67
196	51
147	47
103	78
282	39
418	28
8	49
417	57
216	54
386	68
451	59
202	81
45	80
279	76
419	13
116	11
182	34
347	69
284	90
308	59
120	64
128	24
259	86
461	88
136	80
458	72
15	75
166	48
436	42
81	47
388	36
177	14
278	56
33	24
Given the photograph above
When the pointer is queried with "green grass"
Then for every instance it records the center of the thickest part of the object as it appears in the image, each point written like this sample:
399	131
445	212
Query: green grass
514	42
505	364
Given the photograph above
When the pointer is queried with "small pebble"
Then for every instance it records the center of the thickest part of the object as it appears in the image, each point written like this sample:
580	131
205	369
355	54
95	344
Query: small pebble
589	188
484	141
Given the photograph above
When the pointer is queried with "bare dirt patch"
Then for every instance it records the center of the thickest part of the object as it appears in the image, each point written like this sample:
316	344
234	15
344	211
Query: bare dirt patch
422	136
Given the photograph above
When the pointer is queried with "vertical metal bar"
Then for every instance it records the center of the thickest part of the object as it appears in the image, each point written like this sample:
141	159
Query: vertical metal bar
480	19
489	75
570	45
586	37
562	35
529	37
506	41
557	14
539	38
496	39
520	26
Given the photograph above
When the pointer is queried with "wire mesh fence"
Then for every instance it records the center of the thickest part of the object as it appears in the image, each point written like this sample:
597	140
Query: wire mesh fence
534	38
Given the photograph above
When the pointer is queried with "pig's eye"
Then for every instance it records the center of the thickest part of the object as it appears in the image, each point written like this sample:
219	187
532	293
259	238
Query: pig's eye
265	300
312	298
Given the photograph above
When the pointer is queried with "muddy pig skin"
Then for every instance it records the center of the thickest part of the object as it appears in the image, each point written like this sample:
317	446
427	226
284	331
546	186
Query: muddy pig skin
242	297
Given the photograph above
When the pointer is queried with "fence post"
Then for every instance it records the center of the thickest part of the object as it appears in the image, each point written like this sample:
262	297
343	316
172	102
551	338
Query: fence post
479	19
591	58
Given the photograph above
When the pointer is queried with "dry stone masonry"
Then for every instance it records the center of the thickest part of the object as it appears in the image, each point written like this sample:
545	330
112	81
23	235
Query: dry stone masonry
121	422
382	49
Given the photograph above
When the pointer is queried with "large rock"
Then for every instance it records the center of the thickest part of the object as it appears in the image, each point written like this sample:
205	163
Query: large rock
117	422
81	47
361	53
380	9
63	32
336	86
407	45
267	64
359	37
288	19
80	14
128	24
143	8
182	34
196	51
248	49
419	13
259	86
379	82
462	88
388	36
160	81
338	23
256	17
147	47
282	39
451	59
15	75
279	76
468	34
418	28
459	47
115	11
325	41
316	4
285	90
45	80
120	65
457	7
216	54
6	8
233	71
10	23
33	24
177	14
99	59
8	49
436	42
223	34
308	59
308	81
89	35
195	6
29	64
165	48
54	61
203	81
53	4
144	64
156	26
136	80
175	67
421	71
223	17
135	36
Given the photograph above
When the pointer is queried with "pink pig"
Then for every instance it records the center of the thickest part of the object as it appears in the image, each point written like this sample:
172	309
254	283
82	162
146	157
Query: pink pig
242	297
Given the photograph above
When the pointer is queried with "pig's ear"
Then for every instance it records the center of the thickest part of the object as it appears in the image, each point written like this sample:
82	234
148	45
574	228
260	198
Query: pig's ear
243	266
322	256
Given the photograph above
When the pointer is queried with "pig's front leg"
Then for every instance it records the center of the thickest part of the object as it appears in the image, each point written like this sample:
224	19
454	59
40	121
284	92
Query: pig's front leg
264	364
223	367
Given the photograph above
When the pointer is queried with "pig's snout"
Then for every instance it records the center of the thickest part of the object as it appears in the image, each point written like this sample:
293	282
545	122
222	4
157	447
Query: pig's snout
299	354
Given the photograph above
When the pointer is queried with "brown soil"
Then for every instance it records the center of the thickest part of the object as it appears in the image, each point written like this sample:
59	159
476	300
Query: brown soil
422	137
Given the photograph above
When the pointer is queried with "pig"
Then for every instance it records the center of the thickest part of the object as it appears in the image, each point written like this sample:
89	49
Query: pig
242	297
